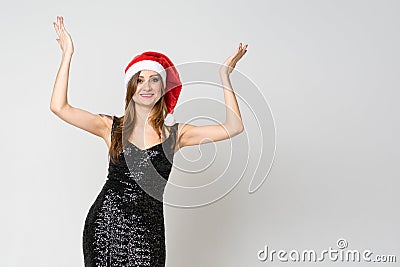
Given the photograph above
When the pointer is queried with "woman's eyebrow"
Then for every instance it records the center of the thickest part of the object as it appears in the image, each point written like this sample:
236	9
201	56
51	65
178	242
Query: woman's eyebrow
150	75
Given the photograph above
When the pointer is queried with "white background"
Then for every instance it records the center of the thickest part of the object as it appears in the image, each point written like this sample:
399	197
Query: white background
328	69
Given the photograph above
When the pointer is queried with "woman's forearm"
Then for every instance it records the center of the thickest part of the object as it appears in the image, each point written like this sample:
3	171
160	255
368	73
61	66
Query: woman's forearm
233	119
59	95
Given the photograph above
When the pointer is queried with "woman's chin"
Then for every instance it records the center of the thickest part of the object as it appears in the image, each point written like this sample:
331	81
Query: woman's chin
145	102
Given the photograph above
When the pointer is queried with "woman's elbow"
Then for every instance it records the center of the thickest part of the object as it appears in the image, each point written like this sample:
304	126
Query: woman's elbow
238	131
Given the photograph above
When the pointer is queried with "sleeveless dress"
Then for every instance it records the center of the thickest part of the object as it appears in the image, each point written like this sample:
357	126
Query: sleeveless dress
125	224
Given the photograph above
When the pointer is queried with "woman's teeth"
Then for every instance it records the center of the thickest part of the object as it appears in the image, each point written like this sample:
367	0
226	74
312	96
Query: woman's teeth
146	95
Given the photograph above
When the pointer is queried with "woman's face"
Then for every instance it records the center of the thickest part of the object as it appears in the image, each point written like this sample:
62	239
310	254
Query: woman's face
149	88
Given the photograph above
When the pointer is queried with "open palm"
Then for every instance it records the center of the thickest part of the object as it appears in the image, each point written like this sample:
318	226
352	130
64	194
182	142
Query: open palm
64	38
231	61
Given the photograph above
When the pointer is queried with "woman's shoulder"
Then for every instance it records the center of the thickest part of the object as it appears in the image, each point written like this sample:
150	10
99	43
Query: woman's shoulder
177	125
106	116
178	128
108	119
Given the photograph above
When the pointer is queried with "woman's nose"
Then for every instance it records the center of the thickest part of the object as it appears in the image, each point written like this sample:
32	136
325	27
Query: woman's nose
146	86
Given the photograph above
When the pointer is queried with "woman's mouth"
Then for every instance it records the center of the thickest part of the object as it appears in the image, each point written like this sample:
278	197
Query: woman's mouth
147	95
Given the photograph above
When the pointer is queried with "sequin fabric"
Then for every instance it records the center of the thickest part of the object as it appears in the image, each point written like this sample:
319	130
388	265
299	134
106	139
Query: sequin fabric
125	224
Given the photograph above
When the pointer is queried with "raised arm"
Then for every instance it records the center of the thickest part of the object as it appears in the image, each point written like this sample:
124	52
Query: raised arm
192	135
94	123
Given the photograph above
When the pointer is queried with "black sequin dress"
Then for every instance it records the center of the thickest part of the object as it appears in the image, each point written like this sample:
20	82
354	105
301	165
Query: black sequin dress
125	224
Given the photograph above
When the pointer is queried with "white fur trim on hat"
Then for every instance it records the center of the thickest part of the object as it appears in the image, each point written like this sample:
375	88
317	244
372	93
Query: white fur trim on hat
169	120
145	65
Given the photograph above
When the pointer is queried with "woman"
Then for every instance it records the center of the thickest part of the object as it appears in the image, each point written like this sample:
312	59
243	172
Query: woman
125	224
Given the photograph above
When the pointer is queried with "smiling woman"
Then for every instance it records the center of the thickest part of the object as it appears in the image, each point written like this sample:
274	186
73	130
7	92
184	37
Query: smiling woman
149	84
125	224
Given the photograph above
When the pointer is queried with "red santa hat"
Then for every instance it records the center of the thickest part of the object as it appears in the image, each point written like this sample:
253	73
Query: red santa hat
161	64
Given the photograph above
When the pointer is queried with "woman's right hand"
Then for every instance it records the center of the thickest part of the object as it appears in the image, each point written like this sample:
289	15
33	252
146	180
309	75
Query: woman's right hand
64	38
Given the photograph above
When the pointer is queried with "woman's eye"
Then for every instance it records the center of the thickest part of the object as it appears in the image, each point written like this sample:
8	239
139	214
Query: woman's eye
139	80
155	80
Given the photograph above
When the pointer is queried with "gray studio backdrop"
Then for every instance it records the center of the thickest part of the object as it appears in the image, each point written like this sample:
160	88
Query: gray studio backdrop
319	83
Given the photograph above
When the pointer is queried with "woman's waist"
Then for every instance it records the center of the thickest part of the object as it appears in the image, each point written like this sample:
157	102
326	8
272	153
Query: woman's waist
133	196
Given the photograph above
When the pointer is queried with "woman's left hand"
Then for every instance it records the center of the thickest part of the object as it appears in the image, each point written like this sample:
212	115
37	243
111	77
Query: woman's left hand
231	61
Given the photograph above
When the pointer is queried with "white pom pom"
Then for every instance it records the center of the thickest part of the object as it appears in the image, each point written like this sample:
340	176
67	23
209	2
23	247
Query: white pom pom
169	120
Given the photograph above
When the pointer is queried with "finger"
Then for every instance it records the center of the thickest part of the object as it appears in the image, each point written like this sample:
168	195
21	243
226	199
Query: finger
243	51
62	23
58	24
56	28
237	50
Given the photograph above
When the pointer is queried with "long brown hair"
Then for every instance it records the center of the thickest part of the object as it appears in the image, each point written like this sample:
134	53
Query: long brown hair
126	122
